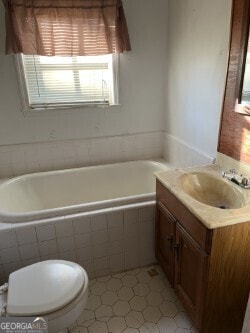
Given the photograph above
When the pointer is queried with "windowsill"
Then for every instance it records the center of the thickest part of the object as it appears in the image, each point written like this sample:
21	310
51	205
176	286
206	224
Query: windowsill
65	110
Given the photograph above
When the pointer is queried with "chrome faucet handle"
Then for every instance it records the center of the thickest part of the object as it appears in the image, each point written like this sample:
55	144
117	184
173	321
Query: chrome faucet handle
245	181
224	174
233	171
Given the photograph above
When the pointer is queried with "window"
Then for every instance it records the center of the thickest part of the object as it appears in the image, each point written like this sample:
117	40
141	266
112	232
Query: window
66	82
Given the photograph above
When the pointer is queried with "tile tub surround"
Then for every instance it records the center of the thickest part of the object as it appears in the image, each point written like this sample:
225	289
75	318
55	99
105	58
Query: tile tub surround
133	302
103	242
179	154
28	158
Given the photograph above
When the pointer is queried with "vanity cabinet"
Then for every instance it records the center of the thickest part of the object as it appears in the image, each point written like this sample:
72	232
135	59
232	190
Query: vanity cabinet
208	268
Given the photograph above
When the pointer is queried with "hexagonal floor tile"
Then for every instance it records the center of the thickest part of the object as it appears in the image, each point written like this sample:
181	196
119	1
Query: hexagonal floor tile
138	303
149	328
168	309
79	329
129	280
143	277
93	302
109	297
121	308
154	298
183	321
131	330
152	314
104	311
98	288
167	322
116	324
114	284
98	327
125	294
141	289
134	319
169	294
86	316
156	285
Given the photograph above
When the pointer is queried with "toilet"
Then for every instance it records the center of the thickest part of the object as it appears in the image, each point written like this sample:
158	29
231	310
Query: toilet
56	289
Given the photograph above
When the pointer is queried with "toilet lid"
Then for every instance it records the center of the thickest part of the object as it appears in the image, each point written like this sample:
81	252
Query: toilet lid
44	287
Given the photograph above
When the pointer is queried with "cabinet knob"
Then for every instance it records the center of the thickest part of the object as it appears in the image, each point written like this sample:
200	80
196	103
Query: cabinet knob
176	248
170	241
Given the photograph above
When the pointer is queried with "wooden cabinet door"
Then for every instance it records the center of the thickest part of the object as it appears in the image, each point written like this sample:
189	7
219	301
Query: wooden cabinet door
164	240
190	274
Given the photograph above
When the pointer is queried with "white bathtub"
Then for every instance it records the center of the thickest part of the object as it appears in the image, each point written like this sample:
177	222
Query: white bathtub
58	193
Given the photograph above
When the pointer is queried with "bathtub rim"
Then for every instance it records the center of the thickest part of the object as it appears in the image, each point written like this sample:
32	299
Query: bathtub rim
20	217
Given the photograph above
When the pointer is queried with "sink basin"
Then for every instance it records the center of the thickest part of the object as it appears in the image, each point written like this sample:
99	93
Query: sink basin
212	191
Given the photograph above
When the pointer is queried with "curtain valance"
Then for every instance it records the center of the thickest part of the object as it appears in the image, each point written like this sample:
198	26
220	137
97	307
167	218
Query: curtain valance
66	27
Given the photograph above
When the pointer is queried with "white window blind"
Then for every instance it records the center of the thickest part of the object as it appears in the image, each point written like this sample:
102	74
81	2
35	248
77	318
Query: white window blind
54	82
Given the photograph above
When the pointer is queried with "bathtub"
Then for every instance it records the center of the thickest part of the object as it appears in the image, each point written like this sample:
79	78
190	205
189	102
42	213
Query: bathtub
58	193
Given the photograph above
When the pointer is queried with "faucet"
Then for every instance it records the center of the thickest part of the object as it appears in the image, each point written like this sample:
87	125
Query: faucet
241	180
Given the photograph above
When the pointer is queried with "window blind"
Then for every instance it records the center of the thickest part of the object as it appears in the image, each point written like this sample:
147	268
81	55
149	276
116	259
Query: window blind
68	81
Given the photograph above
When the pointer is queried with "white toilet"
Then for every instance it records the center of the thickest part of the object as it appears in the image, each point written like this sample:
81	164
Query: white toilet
55	289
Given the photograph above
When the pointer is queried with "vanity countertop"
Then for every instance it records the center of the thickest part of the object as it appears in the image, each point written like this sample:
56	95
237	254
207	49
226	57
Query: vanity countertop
211	217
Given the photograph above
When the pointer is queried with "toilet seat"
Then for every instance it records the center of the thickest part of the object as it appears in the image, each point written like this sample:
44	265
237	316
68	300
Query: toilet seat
44	287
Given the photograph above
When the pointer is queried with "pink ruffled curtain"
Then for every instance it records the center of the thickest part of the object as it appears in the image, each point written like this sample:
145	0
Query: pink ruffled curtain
66	27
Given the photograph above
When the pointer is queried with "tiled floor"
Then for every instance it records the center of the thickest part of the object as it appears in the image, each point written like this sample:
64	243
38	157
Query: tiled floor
133	302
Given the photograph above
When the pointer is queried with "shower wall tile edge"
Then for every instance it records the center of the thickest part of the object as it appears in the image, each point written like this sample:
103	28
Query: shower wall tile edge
21	159
179	154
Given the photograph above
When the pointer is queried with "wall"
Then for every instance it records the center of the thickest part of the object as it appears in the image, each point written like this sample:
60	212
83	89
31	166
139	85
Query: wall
142	82
198	42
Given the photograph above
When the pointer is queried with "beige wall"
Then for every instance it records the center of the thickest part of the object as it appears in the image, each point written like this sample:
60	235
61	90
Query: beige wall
142	82
198	43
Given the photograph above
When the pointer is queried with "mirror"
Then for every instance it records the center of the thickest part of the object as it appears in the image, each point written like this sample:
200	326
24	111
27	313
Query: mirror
234	136
245	91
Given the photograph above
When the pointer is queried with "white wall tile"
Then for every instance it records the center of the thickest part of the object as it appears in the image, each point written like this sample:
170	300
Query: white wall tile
100	250
101	263
53	256
84	253
29	251
12	267
7	239
131	260
146	213
117	263
131	216
115	219
88	265
68	255
99	236
98	221
64	229
116	233
66	243
81	224
31	261
26	236
82	240
116	247
48	247
9	255
45	232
